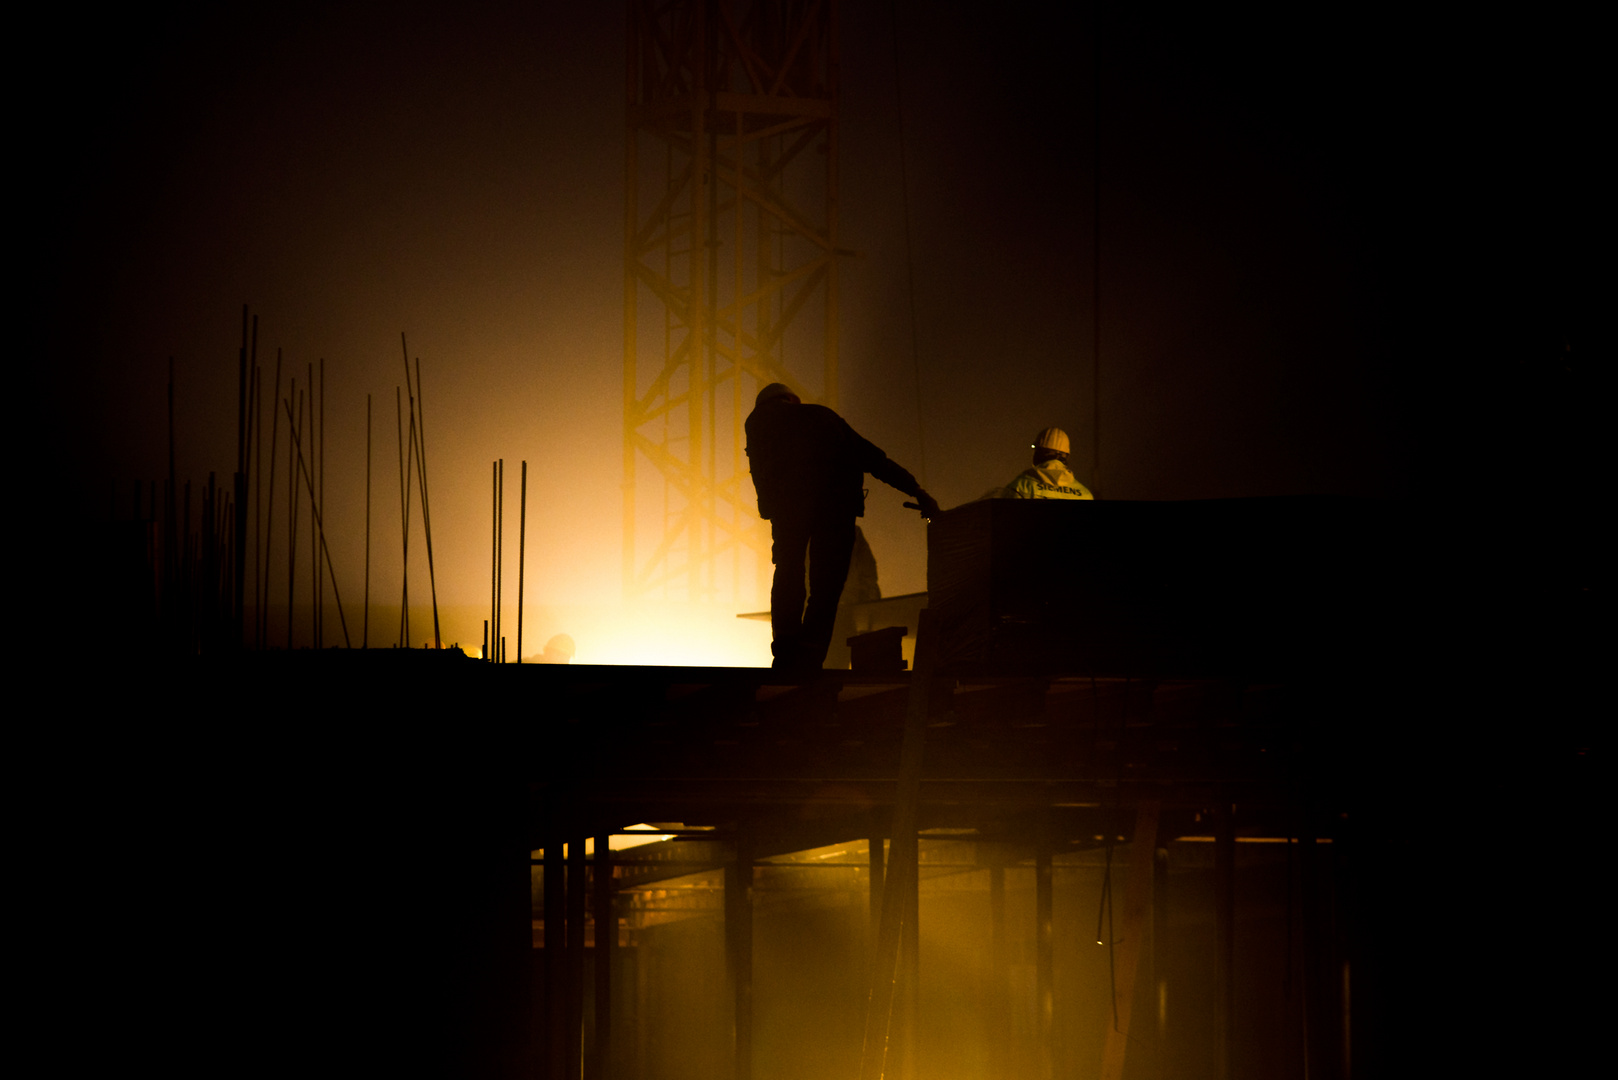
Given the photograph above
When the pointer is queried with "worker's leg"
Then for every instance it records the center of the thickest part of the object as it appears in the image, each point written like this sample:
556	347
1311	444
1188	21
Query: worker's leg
830	548
788	552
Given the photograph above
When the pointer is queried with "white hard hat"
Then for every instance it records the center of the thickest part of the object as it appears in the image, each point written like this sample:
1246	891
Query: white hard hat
1052	438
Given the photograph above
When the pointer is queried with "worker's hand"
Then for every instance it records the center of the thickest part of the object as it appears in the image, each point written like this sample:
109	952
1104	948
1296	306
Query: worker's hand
928	505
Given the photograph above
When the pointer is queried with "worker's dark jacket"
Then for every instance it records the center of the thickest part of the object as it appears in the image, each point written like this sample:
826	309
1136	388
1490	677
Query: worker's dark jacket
808	464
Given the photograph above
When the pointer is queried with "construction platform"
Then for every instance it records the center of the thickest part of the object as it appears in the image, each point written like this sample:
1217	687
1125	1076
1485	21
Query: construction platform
402	861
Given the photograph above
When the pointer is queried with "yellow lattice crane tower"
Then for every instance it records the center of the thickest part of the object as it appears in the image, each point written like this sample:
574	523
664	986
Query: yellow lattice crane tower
730	272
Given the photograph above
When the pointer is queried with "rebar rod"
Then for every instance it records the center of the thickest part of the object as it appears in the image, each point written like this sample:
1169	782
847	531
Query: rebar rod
294	434
314	547
494	560
499	558
404	518
187	611
228	570
522	550
238	526
205	585
418	412
171	538
239	477
258	497
320	532
269	499
320	499
241	397
365	632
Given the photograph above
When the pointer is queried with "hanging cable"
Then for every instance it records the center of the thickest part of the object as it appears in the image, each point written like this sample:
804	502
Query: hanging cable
1104	913
910	266
1095	256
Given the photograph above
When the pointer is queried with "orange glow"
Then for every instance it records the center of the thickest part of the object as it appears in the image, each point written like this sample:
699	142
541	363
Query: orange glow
1243	839
645	835
672	634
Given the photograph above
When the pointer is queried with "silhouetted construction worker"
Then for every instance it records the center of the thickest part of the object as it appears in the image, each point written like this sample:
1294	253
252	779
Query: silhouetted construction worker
809	470
1048	477
559	650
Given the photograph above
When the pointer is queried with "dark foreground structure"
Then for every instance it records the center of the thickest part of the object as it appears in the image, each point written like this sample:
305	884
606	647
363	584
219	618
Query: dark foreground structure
1221	799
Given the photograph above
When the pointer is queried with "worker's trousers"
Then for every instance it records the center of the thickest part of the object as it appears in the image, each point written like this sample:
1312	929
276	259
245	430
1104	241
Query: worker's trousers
803	632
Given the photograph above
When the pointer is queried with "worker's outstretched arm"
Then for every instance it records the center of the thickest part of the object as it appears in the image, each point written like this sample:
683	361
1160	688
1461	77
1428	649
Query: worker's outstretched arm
895	475
890	472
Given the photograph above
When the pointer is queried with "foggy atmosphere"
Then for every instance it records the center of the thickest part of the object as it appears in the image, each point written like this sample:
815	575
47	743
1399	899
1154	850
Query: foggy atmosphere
1327	263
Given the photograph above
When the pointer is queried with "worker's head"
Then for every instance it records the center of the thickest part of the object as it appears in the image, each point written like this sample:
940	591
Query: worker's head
560	650
1050	443
776	392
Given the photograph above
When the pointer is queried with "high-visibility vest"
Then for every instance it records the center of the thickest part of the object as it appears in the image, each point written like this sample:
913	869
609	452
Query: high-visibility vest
1053	480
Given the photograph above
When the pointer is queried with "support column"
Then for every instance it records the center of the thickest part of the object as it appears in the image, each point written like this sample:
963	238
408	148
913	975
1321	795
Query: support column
910	963
1225	942
877	861
1137	921
606	948
1000	1063
877	1052
1044	962
555	957
574	980
1160	937
1322	1004
739	953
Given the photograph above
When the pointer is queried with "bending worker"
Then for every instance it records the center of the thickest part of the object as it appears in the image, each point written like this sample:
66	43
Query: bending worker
809	469
1048	477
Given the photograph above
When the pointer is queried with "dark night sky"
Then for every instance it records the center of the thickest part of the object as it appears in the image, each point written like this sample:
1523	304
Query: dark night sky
1342	251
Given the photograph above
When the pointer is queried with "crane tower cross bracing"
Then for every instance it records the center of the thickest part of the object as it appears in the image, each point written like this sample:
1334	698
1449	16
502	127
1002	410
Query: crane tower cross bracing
730	274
